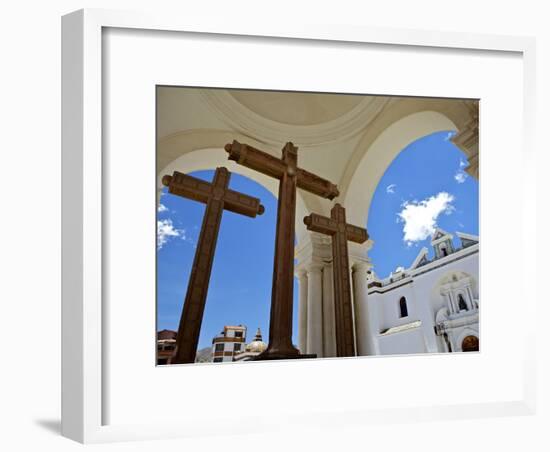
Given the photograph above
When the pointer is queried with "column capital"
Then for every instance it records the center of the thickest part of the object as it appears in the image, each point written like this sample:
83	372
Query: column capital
314	267
361	267
314	247
359	251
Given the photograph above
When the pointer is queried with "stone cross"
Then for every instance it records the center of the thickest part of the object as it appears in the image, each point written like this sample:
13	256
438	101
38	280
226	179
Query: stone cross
290	176
341	232
217	197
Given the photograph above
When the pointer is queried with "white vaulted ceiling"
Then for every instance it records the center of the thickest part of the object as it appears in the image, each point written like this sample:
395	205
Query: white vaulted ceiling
303	109
346	139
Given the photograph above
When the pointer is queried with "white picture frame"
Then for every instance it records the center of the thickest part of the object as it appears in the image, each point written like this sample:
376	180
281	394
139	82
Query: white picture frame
83	386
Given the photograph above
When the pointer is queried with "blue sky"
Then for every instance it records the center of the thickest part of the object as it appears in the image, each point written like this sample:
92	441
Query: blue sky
423	188
240	284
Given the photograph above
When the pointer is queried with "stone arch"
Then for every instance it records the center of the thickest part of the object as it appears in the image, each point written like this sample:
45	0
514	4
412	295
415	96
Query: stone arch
188	156
175	145
377	157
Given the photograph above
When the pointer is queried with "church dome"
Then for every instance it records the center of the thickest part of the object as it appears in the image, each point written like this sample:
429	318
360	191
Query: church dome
257	345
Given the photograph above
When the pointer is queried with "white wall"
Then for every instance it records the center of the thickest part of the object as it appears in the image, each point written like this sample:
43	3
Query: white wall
424	300
30	288
411	341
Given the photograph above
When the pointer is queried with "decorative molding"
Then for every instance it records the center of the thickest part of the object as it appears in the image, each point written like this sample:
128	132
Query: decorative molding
463	321
269	132
467	140
421	255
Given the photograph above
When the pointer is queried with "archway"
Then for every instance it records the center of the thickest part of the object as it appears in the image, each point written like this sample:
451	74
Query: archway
418	194
381	153
211	158
470	344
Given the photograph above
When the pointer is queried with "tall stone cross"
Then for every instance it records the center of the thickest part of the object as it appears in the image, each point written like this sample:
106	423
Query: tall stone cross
290	176
217	197
341	232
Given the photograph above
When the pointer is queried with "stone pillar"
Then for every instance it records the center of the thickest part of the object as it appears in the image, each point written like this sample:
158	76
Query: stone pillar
302	311
454	303
470	297
360	290
329	325
315	309
353	308
360	265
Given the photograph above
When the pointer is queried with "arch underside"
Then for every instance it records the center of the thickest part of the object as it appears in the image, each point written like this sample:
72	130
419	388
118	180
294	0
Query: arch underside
354	158
381	153
212	157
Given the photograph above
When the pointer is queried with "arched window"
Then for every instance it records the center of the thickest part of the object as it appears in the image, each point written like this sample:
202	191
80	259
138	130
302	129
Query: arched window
403	307
470	344
461	303
444	251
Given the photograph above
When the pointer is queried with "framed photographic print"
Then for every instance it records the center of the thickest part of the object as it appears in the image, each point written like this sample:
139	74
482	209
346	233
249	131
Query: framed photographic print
305	216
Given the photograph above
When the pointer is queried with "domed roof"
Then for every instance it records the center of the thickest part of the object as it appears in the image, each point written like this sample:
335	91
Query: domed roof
257	345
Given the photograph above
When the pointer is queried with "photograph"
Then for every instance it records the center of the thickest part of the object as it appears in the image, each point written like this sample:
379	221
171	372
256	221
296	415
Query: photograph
308	225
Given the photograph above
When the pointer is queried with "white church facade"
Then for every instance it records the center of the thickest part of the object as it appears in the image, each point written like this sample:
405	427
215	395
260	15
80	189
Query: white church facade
430	307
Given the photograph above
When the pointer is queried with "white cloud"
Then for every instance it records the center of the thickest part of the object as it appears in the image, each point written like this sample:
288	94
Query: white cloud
391	188
420	217
165	230
463	163
162	208
461	177
449	136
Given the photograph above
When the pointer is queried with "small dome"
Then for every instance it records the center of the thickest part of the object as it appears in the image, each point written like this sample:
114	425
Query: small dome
257	345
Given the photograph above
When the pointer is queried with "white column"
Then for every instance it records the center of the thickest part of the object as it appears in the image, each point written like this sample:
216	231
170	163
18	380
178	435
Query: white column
315	310
329	325
360	290
454	302
302	311
471	297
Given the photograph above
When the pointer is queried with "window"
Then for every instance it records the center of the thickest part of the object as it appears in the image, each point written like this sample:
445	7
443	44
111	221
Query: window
219	347
461	303
403	307
237	347
218	360
444	251
238	334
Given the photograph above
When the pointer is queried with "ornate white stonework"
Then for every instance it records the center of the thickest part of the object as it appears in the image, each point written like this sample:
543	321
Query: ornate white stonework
433	305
